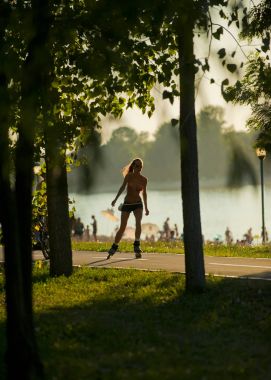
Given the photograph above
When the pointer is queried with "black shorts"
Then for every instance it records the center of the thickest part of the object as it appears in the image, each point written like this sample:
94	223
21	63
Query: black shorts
129	207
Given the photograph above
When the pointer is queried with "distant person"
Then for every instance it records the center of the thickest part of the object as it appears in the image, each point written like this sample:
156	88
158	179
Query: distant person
135	183
228	236
166	229
248	236
161	234
86	234
94	227
176	231
172	235
72	224
264	235
78	229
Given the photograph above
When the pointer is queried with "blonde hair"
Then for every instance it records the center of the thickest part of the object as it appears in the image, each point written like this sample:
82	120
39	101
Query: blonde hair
130	167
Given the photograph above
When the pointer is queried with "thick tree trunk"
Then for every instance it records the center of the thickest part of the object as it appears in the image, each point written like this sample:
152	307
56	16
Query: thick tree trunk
58	209
17	353
56	180
16	210
194	262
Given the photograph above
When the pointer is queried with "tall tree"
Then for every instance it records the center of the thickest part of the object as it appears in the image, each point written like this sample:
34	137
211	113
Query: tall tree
177	27
161	43
84	79
16	216
194	263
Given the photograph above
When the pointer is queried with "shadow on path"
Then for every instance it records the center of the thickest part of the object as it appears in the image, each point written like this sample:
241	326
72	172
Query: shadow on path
109	261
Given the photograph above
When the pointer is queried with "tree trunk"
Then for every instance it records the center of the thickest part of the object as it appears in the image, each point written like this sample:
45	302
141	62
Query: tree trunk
16	206
17	353
58	208
194	261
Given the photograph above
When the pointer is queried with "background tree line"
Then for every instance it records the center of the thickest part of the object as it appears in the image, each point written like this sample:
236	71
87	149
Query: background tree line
220	148
64	65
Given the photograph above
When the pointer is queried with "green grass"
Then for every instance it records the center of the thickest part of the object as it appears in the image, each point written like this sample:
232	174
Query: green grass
126	324
177	247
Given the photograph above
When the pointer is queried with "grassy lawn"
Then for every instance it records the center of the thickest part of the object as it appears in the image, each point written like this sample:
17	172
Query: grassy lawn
126	324
177	247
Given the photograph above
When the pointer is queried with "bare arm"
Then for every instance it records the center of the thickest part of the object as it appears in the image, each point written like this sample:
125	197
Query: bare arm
144	193
121	189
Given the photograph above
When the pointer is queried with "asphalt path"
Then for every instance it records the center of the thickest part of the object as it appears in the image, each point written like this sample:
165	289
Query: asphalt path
220	266
242	267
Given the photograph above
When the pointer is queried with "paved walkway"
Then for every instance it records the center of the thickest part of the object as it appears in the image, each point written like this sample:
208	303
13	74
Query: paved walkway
219	266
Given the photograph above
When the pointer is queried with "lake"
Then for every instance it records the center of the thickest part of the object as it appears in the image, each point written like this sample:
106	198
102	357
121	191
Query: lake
238	209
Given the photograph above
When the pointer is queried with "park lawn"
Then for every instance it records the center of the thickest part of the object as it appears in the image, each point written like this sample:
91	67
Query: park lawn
127	324
177	247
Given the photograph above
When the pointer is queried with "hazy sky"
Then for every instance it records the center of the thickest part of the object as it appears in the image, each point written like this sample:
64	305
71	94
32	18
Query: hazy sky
207	94
210	95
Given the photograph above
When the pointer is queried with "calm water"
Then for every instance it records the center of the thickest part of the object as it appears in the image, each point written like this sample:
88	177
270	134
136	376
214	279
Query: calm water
238	209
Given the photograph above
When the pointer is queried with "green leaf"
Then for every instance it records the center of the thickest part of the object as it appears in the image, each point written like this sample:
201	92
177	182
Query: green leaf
206	66
231	67
264	48
166	94
224	83
218	33
174	122
222	14
221	53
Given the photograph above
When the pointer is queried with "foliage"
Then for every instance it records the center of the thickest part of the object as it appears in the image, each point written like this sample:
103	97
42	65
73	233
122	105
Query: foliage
39	209
258	22
87	78
254	88
107	323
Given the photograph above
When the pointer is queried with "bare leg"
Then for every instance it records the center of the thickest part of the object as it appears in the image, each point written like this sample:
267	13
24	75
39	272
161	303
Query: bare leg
138	217
123	223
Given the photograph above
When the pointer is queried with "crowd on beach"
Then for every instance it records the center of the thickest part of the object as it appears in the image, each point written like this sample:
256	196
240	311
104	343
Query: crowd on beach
168	233
247	239
80	232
